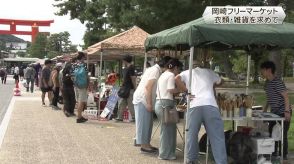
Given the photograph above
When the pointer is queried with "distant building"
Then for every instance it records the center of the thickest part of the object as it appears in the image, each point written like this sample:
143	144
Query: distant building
4	54
16	45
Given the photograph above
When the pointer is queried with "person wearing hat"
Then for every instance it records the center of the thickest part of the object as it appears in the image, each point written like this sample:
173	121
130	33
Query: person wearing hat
30	77
129	83
56	85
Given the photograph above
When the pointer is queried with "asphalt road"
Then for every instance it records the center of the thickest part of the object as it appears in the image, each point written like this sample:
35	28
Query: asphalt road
6	93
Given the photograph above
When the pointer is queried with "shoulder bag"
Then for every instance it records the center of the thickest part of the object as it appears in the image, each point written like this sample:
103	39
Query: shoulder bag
170	114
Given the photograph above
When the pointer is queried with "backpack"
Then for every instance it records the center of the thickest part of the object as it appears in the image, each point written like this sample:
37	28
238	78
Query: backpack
240	148
80	76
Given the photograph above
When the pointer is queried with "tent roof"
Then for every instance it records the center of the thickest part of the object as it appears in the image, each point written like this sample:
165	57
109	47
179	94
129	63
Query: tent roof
130	41
198	33
17	59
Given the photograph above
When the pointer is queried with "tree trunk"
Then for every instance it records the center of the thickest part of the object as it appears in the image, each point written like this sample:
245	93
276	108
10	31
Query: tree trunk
228	67
256	57
276	57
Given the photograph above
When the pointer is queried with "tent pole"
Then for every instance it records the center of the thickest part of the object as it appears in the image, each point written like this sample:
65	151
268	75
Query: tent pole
186	129
145	62
100	81
248	73
88	62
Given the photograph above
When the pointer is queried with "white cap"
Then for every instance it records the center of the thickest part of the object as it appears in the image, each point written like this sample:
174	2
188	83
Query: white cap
59	64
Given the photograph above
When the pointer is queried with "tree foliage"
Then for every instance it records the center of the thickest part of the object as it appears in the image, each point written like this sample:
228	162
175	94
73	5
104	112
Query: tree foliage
38	48
60	43
54	45
150	15
104	18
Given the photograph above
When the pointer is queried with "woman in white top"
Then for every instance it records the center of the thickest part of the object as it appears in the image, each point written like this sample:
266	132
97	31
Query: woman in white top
164	92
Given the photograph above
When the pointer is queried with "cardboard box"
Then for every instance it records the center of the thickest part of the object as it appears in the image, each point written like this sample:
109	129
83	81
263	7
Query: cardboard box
263	145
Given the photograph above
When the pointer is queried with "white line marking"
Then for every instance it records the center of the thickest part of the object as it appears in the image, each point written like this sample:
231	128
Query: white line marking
5	121
7	116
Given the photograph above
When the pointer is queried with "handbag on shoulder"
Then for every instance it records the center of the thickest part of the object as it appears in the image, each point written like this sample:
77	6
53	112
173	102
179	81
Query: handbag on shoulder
170	115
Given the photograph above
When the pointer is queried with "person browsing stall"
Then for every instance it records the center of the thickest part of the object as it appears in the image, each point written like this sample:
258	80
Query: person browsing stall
45	82
81	81
203	110
129	84
278	101
165	90
144	101
56	85
67	90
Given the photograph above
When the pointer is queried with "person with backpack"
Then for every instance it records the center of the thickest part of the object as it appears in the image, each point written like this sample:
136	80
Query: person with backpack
30	77
81	82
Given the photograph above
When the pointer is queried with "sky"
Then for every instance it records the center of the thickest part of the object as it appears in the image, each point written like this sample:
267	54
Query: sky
41	10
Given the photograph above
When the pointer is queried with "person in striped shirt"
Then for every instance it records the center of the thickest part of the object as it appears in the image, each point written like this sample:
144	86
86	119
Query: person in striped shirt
278	101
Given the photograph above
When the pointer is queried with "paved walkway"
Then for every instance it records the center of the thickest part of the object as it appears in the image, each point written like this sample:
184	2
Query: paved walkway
37	134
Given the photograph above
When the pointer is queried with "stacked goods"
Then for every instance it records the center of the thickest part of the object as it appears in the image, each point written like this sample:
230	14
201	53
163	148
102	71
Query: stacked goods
235	105
248	103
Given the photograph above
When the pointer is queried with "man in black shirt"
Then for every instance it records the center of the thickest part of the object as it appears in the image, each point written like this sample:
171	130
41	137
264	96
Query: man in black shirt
277	99
45	82
129	82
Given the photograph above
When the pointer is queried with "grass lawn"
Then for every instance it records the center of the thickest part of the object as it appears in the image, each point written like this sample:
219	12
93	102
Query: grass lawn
260	100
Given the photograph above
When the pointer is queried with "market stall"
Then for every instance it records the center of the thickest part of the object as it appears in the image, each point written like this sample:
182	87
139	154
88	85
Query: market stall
198	34
115	47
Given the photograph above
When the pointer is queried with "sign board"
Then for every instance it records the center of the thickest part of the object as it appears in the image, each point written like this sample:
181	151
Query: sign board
244	15
111	102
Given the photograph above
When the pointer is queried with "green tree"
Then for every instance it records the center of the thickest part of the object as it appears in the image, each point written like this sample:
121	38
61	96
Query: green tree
21	54
239	62
59	44
150	15
102	16
38	48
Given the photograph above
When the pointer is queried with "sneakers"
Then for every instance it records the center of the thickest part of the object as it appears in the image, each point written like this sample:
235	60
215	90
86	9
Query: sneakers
118	120
81	120
55	107
72	114
154	148
43	105
150	151
171	158
69	114
66	114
